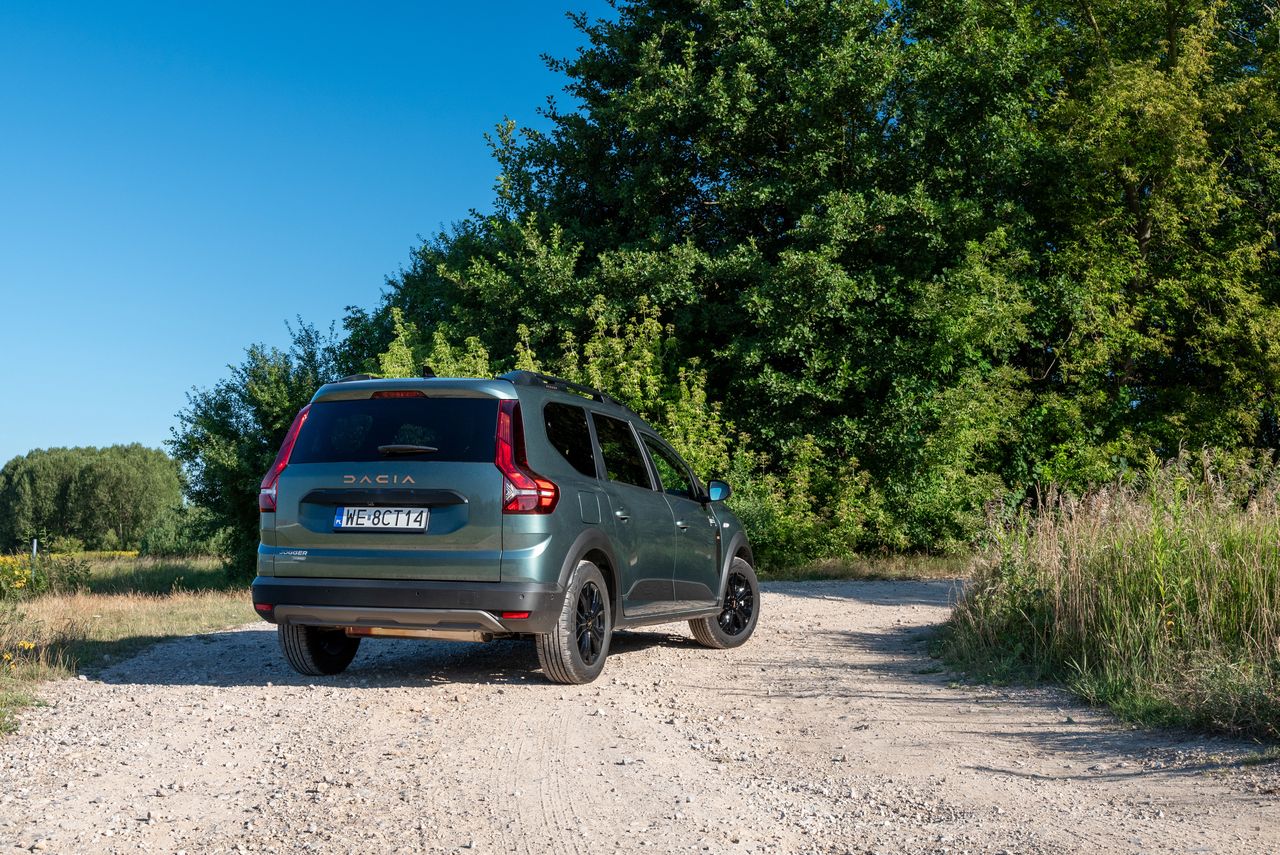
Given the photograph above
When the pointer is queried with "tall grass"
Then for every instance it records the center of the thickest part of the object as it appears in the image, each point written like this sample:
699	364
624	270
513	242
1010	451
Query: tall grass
1160	598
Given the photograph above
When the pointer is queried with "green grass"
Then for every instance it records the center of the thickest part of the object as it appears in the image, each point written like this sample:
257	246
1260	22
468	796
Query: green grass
129	603
159	576
876	568
1160	600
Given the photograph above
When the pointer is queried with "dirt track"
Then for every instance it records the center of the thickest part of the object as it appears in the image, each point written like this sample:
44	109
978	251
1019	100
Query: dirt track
829	732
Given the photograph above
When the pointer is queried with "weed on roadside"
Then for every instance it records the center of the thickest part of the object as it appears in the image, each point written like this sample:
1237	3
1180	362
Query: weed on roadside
1160	599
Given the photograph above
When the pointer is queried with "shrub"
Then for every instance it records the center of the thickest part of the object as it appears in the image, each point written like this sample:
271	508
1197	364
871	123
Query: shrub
799	512
53	573
65	544
182	531
15	575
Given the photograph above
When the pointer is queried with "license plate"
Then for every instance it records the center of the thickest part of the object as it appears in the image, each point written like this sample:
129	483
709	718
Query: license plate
381	519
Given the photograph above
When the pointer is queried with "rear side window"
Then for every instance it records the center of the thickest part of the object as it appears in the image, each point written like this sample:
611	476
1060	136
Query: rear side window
567	431
622	458
460	429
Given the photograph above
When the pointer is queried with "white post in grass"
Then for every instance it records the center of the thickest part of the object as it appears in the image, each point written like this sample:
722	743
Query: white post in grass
33	563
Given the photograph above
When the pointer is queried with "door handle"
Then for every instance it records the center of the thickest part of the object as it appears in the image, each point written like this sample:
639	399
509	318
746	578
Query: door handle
622	515
682	525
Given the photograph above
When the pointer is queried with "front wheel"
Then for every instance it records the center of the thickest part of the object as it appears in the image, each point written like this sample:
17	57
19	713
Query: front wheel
575	649
739	611
315	651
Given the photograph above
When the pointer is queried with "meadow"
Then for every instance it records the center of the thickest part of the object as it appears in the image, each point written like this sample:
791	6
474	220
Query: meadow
114	605
1159	597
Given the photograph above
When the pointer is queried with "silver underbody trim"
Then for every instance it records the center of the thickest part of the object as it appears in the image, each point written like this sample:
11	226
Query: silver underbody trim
442	623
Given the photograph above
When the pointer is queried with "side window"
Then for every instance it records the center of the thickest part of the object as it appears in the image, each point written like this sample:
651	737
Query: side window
622	458
567	431
671	471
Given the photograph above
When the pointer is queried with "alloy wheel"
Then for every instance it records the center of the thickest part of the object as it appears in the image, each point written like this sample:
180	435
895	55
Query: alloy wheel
590	623
739	605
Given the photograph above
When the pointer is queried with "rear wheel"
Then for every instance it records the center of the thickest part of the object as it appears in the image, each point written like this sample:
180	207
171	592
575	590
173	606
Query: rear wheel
315	651
739	611
575	649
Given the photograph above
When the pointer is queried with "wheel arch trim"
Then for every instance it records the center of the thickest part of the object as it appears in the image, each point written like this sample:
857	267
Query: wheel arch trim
738	548
593	540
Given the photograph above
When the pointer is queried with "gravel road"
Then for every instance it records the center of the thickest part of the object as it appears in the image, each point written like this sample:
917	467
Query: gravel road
831	731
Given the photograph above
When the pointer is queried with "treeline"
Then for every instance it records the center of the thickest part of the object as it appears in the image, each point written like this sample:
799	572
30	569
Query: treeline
891	265
121	497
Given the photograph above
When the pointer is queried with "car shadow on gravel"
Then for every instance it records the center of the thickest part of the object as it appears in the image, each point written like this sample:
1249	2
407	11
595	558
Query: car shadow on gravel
251	657
901	655
1098	747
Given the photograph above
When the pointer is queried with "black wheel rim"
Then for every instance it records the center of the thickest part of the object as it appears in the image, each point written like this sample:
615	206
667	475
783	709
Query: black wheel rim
739	605
590	623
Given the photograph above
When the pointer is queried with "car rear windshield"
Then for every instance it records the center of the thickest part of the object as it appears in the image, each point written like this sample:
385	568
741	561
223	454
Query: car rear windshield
460	429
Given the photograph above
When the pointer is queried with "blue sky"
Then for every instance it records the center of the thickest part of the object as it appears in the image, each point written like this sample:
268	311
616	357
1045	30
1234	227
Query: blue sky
178	180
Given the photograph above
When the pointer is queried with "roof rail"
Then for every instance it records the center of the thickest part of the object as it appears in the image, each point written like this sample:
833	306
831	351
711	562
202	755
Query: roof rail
533	378
351	378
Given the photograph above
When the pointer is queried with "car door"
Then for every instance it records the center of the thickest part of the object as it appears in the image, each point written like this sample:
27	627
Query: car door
644	537
696	571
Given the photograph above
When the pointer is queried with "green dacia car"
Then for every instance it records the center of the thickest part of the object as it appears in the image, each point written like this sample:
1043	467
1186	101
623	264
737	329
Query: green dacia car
479	509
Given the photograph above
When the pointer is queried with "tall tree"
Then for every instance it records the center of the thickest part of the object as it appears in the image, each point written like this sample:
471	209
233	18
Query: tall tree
228	435
103	497
970	245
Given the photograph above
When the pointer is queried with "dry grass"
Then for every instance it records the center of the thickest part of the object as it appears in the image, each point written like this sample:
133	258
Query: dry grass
1161	599
130	604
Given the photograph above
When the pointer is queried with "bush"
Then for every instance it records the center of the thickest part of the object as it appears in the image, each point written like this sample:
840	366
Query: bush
61	574
53	573
182	532
65	544
15	575
1160	597
800	512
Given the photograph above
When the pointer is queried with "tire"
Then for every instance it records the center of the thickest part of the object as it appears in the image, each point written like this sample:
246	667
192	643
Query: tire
575	650
315	651
739	614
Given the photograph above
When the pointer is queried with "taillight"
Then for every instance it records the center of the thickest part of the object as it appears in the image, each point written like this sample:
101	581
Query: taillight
523	490
267	490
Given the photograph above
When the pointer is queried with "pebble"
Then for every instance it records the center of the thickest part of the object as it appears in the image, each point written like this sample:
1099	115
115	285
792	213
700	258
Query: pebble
211	744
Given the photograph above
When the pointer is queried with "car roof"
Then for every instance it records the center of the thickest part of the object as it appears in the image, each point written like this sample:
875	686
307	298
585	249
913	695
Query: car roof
513	385
362	386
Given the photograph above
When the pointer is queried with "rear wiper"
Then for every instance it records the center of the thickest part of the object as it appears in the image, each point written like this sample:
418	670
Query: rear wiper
406	449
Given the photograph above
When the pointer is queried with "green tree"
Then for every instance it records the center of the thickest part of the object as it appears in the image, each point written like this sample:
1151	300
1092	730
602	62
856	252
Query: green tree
1163	253
105	498
228	435
925	255
970	245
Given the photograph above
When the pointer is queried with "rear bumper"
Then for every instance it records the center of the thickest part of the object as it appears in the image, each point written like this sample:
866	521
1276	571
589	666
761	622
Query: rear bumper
407	604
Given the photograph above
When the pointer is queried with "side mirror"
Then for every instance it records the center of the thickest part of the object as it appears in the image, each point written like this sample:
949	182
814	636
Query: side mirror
718	491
